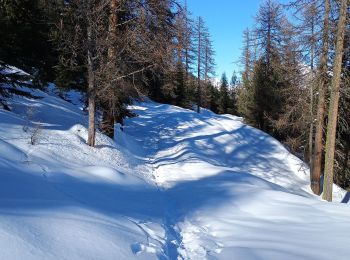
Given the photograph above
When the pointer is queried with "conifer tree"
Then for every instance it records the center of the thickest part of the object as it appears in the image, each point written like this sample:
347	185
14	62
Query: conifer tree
224	95
25	38
260	97
232	107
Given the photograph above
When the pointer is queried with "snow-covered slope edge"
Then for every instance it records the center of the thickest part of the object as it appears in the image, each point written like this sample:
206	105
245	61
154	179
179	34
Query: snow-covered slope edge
175	185
233	191
60	199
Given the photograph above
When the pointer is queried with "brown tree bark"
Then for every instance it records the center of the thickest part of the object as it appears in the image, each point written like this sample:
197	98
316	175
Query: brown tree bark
315	175
107	125
312	125
91	91
199	94
334	104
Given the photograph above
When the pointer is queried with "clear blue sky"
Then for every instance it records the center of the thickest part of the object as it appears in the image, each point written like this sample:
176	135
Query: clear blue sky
226	20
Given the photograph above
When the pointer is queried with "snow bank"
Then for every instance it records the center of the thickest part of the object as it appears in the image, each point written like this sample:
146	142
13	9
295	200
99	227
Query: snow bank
174	185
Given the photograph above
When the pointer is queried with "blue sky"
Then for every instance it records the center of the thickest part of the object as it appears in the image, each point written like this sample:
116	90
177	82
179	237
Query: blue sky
226	20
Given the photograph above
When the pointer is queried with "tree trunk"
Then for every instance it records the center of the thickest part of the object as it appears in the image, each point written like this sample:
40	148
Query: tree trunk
346	157
311	131
318	152
334	104
91	91
107	126
268	37
199	98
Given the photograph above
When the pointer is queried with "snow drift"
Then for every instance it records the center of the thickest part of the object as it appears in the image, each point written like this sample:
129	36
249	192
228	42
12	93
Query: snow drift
174	185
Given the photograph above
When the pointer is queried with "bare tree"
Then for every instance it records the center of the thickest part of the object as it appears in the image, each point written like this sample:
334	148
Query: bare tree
200	30
116	41
334	104
322	89
268	29
209	60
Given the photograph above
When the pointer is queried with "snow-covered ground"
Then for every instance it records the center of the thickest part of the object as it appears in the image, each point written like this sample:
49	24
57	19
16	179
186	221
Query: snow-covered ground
174	185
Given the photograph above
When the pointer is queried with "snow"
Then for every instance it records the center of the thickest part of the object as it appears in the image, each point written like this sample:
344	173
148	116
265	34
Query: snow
8	70
174	185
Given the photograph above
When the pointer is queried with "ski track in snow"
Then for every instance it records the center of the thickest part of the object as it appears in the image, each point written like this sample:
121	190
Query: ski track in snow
175	185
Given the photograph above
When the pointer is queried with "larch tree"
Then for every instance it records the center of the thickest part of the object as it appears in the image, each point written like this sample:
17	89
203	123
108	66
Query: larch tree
247	62
81	43
268	30
307	12
116	43
108	113
208	70
334	103
321	103
188	42
208	57
310	23
200	30
309	37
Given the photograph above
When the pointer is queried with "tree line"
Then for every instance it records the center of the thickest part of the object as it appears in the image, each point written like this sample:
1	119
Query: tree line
113	51
295	84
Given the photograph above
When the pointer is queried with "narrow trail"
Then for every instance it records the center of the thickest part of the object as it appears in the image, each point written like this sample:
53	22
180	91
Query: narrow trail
172	238
214	173
174	185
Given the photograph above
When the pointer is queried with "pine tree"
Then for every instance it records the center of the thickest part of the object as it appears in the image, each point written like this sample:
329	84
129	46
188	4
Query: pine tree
214	98
261	96
232	107
180	83
265	90
224	95
24	38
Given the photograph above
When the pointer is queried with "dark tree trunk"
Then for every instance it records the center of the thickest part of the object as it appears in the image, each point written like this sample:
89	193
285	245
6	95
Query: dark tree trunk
107	124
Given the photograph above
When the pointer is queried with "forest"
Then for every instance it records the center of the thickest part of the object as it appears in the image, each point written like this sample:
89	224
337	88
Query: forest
114	51
293	83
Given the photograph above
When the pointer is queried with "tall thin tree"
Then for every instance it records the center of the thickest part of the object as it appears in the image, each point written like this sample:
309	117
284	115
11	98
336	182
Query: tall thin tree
334	104
321	106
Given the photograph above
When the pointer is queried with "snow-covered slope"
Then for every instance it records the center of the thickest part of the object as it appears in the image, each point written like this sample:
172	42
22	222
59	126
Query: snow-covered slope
175	185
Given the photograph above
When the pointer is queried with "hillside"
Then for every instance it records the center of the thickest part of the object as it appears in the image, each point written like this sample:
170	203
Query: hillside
174	185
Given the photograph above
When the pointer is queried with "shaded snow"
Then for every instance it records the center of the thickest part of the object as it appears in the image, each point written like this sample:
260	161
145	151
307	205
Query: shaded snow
175	185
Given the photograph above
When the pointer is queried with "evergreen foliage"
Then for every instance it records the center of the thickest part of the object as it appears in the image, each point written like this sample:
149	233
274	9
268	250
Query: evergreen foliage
224	95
